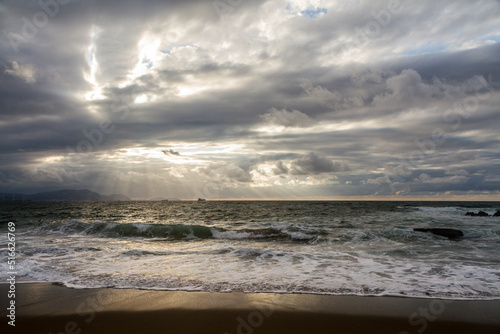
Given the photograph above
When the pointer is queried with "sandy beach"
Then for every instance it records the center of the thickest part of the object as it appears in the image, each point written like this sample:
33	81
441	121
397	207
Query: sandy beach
48	308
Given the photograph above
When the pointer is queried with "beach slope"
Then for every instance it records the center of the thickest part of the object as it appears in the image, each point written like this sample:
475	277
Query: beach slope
48	308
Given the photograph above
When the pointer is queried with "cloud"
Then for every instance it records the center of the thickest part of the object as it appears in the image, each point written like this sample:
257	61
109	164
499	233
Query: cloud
426	178
286	118
312	164
280	168
461	172
406	89
247	95
170	152
318	91
227	172
27	72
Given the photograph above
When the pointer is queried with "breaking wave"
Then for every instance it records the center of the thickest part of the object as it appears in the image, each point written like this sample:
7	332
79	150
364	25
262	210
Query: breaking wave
172	231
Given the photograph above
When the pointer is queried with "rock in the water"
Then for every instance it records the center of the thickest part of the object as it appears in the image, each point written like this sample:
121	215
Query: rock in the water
497	214
445	232
479	214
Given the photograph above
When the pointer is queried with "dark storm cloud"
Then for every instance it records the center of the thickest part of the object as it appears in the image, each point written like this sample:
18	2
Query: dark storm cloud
247	95
280	168
313	164
170	152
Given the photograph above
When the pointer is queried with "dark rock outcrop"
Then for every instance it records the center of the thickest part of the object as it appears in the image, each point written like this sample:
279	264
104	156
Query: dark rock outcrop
445	232
496	214
479	214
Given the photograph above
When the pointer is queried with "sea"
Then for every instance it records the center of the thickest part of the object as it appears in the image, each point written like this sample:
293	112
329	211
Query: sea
366	248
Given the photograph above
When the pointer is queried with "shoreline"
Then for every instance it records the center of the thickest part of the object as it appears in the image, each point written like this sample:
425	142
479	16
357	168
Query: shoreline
50	308
311	293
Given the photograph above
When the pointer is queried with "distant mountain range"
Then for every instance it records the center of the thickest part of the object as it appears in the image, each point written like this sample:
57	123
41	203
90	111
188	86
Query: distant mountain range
64	195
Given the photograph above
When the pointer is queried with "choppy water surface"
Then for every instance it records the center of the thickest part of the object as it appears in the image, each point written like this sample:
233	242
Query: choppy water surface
364	248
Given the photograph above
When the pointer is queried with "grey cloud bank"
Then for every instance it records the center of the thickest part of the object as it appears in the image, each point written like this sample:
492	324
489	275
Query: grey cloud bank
301	99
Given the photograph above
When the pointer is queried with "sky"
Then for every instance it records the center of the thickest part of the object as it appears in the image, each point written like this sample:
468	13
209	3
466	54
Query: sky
252	99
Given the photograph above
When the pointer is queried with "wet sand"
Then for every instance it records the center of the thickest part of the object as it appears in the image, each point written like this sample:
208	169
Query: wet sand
48	308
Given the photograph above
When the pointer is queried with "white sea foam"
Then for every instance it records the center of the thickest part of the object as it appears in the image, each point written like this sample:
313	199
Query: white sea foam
231	234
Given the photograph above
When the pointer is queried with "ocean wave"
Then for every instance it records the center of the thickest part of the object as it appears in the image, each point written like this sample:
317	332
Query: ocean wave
140	252
174	231
454	210
118	230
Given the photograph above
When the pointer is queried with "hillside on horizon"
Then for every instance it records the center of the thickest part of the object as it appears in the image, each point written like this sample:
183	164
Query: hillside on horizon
63	195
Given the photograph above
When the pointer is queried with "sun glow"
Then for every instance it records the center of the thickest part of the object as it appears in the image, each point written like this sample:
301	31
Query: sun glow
96	93
149	55
144	98
186	91
51	159
148	58
138	155
177	154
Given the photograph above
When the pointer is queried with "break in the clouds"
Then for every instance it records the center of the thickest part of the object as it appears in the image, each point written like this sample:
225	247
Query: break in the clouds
305	99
